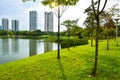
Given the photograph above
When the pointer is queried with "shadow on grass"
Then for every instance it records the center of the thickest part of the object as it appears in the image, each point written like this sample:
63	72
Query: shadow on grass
84	56
88	58
108	65
62	69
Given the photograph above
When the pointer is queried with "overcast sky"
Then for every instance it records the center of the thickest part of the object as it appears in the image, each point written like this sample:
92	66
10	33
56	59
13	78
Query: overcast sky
16	9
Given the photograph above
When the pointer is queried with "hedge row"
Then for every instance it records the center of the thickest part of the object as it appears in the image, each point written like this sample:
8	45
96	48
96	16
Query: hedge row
73	42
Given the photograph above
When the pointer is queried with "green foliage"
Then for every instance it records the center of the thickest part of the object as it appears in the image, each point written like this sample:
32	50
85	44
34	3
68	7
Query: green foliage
38	34
73	42
3	33
67	23
72	28
59	2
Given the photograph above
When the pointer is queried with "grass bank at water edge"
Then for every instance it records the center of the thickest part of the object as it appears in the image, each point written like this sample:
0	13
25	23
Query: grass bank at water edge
75	64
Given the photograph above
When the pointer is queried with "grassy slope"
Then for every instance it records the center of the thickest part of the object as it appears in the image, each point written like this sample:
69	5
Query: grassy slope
75	64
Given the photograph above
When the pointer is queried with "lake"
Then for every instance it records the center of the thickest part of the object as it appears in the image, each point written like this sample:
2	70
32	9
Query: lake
14	49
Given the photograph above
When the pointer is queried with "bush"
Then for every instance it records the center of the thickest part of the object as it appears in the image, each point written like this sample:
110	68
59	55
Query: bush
65	43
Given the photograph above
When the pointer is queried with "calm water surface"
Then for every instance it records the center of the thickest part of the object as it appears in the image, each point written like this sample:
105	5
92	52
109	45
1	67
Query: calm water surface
14	49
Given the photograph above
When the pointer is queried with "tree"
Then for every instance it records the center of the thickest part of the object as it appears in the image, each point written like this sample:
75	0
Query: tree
75	29
72	28
60	6
115	15
97	12
108	24
3	33
67	24
113	11
90	22
108	21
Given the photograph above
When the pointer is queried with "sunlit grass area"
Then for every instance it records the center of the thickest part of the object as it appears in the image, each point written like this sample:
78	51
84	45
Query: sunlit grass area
75	64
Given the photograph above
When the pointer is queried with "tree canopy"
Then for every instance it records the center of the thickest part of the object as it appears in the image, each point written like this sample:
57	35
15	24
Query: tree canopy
60	2
57	2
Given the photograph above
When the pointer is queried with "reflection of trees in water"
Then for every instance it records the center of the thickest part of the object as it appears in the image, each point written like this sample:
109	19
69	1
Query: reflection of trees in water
32	47
5	46
15	46
48	46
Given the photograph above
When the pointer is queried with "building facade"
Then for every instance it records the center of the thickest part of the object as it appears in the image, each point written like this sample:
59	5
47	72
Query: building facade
5	24
1	28
48	22
33	20
15	25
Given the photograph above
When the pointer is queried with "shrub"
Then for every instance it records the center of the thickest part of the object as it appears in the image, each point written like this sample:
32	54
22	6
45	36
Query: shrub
73	42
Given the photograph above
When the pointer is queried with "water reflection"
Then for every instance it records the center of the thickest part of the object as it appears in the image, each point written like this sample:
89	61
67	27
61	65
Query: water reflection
5	46
32	47
15	46
14	49
48	46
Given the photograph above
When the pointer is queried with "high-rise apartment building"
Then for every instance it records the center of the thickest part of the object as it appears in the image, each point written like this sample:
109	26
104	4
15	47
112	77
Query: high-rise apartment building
5	24
1	28
48	22
15	25
33	20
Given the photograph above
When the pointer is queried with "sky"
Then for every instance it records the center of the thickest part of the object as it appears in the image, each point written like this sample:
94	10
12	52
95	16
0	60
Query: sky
16	9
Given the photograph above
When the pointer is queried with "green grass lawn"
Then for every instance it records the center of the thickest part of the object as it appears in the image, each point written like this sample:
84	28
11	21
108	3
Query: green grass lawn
75	64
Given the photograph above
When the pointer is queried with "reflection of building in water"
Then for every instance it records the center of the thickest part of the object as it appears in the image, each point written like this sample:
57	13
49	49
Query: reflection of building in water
1	46
48	46
15	45
5	46
32	47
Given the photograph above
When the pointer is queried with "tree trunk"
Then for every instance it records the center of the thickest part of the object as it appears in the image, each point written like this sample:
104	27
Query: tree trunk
97	13
94	72
107	39
58	56
91	38
74	41
68	38
91	33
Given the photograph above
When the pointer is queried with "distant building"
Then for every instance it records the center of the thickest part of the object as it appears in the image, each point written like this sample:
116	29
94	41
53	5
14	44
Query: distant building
48	22
1	28
33	20
15	25
5	24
